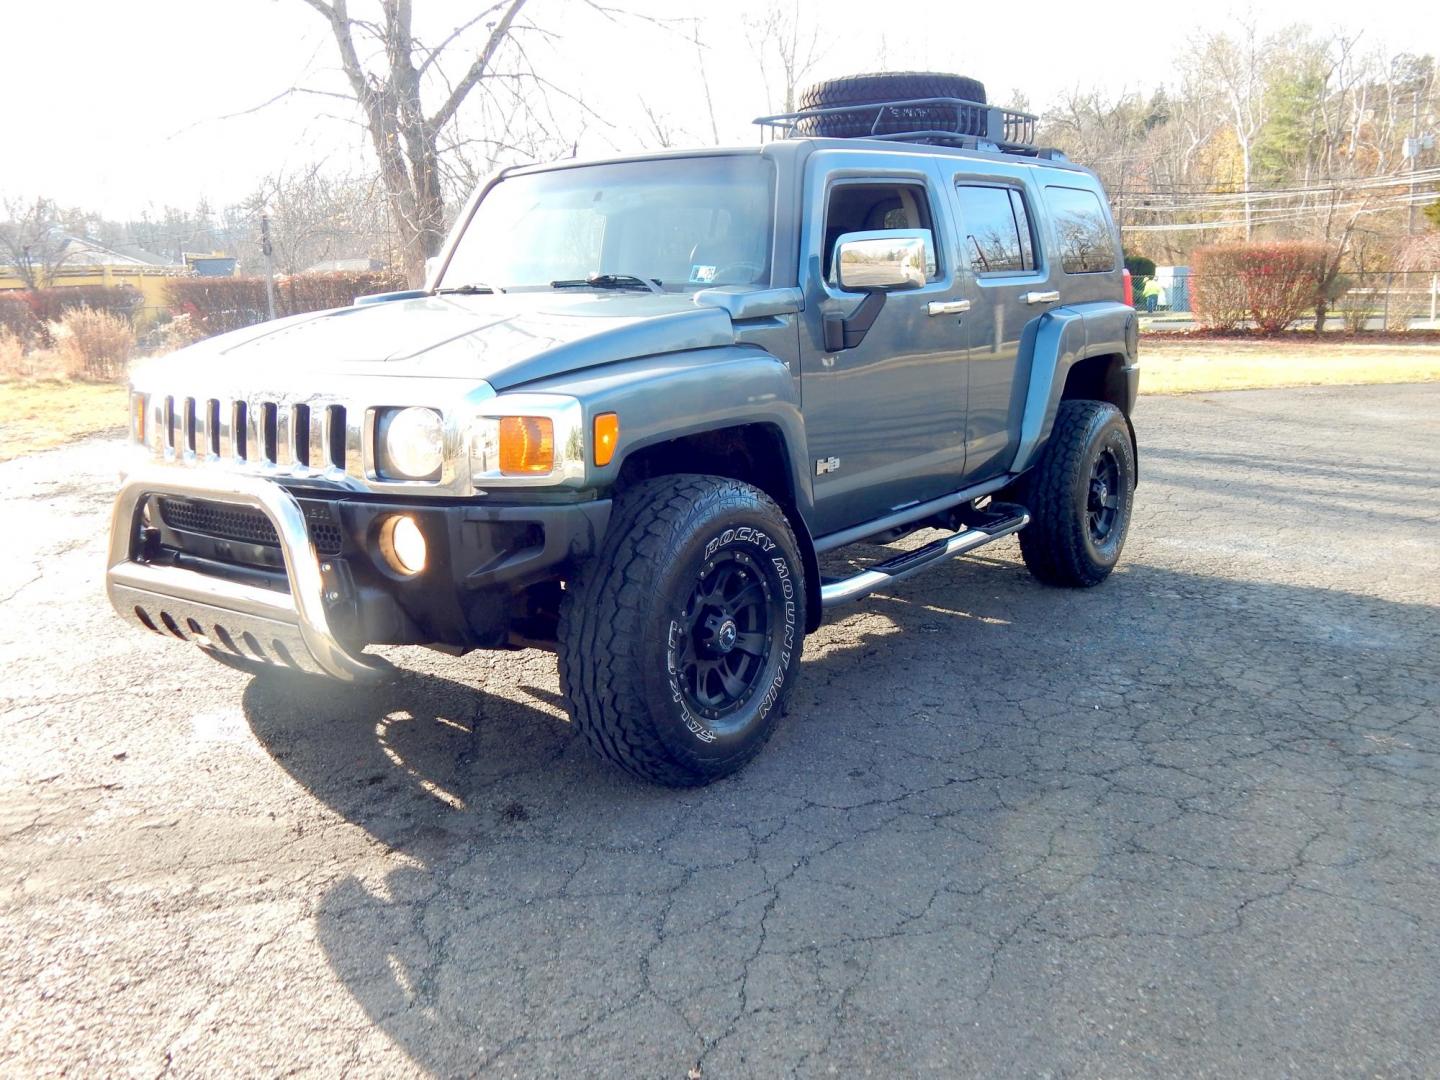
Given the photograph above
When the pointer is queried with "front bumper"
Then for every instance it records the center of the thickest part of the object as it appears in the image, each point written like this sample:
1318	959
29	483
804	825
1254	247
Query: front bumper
278	600
288	629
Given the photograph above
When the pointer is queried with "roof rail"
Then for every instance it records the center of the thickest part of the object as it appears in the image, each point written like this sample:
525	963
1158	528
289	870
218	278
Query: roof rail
947	121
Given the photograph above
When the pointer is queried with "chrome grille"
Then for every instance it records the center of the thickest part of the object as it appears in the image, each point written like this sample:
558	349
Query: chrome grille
293	436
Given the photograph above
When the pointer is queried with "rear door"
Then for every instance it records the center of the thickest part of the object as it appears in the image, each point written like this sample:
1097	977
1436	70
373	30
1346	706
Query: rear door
1010	283
885	421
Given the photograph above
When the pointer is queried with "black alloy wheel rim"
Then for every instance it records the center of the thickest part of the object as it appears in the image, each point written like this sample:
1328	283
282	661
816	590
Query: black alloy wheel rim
724	651
1102	504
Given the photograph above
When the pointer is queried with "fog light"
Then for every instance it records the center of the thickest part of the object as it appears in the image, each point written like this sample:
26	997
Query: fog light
402	544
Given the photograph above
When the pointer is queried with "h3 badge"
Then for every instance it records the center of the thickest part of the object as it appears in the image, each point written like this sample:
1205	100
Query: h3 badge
826	465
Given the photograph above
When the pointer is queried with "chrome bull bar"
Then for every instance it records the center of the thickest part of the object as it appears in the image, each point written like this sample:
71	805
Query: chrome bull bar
223	616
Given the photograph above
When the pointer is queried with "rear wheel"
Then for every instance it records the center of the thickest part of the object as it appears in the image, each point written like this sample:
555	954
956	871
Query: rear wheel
680	640
1080	496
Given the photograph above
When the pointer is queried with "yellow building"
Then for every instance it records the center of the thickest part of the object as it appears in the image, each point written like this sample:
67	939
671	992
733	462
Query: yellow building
89	263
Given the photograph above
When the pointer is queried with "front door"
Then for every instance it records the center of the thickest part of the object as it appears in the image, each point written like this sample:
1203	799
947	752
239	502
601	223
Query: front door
885	420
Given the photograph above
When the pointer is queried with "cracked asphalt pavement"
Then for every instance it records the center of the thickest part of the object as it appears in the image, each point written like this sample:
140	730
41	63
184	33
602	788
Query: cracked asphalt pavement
1183	824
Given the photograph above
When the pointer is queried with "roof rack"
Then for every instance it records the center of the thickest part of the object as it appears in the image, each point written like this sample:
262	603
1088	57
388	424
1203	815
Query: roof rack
973	125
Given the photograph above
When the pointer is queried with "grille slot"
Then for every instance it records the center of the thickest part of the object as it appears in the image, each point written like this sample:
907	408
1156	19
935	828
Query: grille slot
244	524
300	433
190	424
335	430
268	422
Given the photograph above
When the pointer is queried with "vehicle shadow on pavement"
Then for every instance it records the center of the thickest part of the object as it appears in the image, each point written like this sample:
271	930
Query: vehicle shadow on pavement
977	746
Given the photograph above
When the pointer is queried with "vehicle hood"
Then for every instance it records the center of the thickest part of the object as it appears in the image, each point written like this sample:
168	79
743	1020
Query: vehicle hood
506	339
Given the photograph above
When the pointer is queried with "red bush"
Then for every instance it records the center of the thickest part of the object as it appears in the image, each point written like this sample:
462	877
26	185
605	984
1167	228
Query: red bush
18	318
1270	283
218	304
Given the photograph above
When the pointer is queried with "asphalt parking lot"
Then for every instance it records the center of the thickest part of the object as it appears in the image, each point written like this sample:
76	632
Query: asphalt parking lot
1184	824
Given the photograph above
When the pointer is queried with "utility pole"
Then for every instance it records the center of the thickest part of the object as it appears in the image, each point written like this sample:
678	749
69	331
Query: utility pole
268	252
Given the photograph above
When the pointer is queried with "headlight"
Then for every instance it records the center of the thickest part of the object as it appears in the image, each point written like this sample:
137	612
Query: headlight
412	444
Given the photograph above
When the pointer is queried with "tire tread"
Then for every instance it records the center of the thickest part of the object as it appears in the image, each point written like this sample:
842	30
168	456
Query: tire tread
1051	545
601	619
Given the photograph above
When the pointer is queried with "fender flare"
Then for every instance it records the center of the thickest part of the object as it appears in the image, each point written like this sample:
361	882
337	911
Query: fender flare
714	389
1055	342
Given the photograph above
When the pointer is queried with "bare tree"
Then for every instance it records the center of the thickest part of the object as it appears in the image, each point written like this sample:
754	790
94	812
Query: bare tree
315	216
34	241
1238	68
391	91
787	44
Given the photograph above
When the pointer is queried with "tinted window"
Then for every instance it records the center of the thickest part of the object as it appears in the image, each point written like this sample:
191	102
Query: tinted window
876	207
997	230
1086	246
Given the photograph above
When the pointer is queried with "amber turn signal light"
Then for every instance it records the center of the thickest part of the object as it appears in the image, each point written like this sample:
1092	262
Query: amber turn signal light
527	445
607	435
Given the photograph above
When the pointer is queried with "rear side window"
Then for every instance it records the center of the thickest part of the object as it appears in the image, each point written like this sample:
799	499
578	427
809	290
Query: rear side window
1086	246
997	236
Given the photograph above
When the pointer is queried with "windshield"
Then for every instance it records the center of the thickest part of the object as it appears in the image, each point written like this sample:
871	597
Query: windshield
681	223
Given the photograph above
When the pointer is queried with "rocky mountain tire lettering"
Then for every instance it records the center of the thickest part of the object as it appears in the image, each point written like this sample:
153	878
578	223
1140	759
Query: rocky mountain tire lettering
744	534
787	587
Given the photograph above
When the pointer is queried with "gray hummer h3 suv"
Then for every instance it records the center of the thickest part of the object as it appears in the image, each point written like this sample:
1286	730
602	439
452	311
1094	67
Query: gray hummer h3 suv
639	399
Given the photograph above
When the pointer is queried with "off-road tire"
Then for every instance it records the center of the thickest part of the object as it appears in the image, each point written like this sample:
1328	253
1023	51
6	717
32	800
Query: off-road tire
1061	545
630	655
892	86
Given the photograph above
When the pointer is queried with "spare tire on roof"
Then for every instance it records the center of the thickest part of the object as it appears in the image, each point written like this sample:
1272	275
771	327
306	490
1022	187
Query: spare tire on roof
860	90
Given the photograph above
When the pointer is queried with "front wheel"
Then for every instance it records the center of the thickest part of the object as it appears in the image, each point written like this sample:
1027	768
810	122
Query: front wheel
1080	495
681	638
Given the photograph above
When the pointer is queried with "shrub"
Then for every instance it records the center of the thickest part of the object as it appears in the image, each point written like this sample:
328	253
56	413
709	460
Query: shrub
18	320
216	305
50	305
14	356
22	360
1271	283
1139	266
95	344
1217	293
316	292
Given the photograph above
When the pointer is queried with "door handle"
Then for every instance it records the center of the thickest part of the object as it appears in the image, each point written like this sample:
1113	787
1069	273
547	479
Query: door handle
948	307
1041	297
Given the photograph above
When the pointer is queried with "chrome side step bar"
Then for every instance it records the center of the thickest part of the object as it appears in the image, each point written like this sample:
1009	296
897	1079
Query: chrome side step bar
843	590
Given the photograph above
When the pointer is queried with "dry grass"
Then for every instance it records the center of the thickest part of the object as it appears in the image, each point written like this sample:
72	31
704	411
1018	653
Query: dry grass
1182	367
35	415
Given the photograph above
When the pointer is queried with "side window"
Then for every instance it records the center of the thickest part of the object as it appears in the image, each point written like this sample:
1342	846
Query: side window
1086	246
873	207
996	226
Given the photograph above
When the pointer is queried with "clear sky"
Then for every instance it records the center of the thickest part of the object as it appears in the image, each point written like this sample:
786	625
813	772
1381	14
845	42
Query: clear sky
117	106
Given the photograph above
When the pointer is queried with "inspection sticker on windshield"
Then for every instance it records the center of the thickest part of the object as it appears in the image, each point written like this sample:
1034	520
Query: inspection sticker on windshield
703	275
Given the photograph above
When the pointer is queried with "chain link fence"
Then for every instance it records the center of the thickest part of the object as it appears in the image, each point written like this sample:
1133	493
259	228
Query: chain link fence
1394	300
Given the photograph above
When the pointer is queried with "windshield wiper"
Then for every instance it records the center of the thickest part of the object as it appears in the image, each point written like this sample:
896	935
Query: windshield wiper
608	281
472	289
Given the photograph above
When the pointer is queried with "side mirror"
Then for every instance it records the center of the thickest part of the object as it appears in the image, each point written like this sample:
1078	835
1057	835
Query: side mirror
875	263
432	267
893	259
